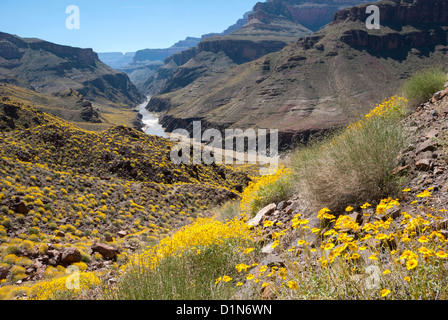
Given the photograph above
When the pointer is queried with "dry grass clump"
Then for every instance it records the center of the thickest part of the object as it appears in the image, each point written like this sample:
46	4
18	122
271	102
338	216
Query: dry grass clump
355	165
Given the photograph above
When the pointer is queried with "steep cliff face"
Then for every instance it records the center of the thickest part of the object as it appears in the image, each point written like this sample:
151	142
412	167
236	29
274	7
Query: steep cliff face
240	51
311	14
51	68
404	12
320	82
394	40
422	23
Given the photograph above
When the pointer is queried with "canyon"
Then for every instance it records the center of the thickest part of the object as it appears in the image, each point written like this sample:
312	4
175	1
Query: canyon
316	84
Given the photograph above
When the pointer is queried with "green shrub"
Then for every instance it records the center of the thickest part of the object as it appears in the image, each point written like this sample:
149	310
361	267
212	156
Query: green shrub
422	85
10	259
12	249
7	223
27	246
52	225
267	189
24	262
34	230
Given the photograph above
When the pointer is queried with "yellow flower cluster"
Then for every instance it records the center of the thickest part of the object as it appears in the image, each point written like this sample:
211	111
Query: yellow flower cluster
250	194
401	248
46	290
391	107
202	233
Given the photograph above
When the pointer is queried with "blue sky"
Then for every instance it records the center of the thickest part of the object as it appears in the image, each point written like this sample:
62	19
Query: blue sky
120	25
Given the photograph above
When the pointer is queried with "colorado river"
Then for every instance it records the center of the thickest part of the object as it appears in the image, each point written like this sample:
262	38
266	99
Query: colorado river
151	122
151	126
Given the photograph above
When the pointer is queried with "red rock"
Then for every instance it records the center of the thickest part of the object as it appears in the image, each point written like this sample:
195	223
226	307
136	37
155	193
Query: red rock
70	256
3	273
106	251
428	145
423	165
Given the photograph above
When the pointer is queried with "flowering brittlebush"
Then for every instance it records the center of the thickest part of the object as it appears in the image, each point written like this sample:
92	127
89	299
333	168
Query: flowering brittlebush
47	289
203	232
392	107
251	195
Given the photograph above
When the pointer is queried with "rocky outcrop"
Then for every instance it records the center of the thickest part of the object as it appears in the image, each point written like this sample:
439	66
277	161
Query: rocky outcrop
394	40
51	68
108	252
311	14
183	56
241	51
401	12
69	256
425	21
424	158
9	51
85	57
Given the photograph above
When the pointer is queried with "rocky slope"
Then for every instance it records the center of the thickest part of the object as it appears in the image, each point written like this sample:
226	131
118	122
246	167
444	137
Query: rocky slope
51	68
78	196
270	26
320	82
68	104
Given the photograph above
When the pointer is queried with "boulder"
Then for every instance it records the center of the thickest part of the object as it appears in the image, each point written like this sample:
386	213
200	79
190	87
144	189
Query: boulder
423	164
3	273
262	214
106	251
122	233
53	256
357	217
428	145
269	292
268	249
60	234
21	208
69	256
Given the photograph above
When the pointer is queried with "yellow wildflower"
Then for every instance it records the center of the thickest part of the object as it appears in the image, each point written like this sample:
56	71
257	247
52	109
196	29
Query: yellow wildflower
424	194
385	293
268	223
293	285
411	264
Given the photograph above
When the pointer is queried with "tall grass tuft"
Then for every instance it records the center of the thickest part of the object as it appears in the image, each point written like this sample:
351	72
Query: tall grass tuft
355	165
422	85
